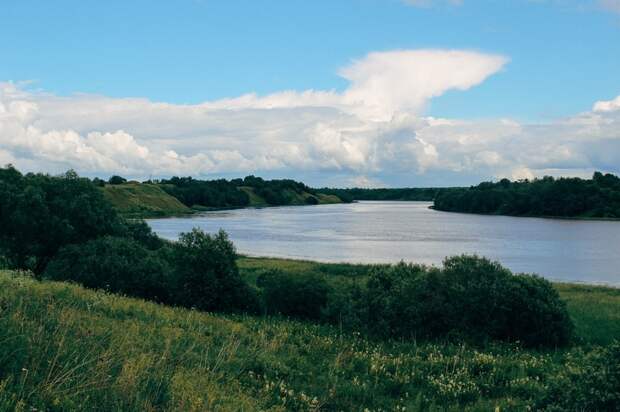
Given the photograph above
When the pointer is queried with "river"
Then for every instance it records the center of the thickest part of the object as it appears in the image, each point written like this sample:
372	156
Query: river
387	232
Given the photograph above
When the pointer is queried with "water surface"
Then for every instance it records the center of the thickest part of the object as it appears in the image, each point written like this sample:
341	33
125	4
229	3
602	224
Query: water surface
386	232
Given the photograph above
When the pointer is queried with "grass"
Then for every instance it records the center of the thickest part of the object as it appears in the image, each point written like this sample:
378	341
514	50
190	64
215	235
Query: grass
595	311
297	199
64	347
143	200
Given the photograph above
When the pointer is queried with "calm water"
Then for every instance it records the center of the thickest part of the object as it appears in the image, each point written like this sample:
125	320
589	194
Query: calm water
375	232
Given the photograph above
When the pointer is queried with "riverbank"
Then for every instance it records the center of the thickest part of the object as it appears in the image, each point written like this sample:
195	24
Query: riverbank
577	218
69	348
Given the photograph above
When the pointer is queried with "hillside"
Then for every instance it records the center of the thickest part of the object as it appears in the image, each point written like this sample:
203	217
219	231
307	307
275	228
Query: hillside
296	198
143	200
69	348
179	196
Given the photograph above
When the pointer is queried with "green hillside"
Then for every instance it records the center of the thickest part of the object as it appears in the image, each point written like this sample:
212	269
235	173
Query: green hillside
68	348
297	198
143	200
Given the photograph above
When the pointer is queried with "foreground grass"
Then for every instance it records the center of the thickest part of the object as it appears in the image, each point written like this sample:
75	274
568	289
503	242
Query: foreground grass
63	347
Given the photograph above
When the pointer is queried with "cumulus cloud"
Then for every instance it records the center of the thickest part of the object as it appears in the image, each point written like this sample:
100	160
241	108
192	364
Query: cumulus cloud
372	133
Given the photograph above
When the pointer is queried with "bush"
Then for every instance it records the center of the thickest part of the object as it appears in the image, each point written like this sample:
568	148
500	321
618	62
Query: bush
207	275
142	233
114	264
117	180
470	298
300	296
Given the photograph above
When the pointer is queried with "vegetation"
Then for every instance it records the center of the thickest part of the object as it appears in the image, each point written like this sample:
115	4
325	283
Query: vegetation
63	228
68	348
182	195
427	194
250	191
143	200
598	197
39	214
468	335
470	298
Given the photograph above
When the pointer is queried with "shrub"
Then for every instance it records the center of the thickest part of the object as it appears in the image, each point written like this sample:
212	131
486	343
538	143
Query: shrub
346	305
114	264
207	275
536	314
117	180
142	233
300	296
471	297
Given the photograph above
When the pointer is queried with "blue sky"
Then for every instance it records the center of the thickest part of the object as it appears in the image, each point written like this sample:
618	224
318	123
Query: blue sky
561	56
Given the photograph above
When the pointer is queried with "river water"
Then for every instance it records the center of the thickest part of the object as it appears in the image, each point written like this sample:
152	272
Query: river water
387	232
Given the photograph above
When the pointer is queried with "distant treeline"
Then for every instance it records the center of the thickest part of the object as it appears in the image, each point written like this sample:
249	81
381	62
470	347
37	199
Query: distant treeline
598	197
413	193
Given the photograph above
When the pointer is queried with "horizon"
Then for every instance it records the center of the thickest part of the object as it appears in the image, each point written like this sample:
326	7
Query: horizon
391	93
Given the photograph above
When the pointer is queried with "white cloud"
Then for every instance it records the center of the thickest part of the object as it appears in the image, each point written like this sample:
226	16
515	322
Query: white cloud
371	133
385	83
607	106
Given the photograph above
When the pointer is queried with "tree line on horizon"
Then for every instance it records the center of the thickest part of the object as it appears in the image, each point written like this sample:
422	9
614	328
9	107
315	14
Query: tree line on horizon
598	197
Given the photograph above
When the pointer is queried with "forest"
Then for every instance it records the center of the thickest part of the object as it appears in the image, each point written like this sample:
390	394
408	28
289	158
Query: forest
223	193
426	194
598	197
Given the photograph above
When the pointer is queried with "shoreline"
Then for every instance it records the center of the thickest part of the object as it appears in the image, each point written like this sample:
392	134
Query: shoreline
577	218
197	211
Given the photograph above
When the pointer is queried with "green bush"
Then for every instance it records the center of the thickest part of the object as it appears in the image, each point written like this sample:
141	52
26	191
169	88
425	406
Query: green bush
302	296
207	276
141	232
471	297
119	265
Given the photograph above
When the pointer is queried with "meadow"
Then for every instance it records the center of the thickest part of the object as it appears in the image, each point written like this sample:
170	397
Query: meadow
66	348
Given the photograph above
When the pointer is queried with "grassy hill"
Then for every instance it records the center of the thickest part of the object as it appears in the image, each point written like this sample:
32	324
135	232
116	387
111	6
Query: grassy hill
143	200
297	199
68	348
146	200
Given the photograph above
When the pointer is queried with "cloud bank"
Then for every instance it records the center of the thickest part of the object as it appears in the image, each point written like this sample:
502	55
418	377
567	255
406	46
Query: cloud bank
372	133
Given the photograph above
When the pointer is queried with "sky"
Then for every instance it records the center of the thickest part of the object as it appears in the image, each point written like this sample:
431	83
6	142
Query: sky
373	93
